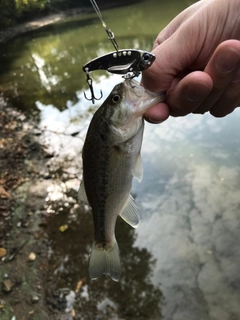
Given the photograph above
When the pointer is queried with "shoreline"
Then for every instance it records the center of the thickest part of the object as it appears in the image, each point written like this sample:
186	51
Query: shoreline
11	33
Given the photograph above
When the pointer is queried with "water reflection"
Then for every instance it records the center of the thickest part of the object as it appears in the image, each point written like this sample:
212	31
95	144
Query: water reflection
193	215
46	65
188	241
49	69
51	73
132	297
187	246
189	202
135	295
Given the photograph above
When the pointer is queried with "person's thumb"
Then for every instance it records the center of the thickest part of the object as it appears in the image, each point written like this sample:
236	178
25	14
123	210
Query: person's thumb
172	58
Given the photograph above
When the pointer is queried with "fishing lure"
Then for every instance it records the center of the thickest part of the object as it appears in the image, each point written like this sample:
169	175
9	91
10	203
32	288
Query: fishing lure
127	62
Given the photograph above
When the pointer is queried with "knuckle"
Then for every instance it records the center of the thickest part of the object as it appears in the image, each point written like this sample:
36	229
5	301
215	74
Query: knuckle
229	100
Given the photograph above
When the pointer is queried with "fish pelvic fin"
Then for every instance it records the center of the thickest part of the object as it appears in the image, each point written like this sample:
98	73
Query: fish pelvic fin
105	260
130	213
138	169
82	196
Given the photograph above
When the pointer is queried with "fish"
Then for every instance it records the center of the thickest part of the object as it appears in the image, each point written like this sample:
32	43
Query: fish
111	158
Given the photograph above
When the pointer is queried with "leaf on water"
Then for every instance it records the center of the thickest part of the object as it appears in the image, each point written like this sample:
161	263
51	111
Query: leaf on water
73	313
79	285
63	228
3	252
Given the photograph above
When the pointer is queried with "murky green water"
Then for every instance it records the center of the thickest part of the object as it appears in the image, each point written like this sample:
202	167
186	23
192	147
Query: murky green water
183	260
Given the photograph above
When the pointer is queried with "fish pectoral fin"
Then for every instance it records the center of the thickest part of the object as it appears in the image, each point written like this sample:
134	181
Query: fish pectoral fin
138	169
82	196
105	261
130	213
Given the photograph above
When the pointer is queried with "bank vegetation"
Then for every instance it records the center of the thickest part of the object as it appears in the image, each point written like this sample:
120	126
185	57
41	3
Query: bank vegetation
14	12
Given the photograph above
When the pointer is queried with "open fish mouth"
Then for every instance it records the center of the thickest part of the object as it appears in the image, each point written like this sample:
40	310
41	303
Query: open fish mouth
134	87
141	97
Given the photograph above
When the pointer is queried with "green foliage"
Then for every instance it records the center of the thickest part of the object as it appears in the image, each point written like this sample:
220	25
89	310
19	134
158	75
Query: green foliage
13	12
7	8
16	11
25	8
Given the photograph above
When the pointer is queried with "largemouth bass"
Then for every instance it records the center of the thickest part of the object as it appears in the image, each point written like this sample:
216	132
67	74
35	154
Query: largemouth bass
111	158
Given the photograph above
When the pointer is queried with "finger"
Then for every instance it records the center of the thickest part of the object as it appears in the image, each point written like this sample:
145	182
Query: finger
157	113
169	63
229	100
172	27
189	93
158	77
222	68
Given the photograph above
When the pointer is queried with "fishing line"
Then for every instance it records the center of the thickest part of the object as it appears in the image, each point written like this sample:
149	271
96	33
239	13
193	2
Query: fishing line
108	31
127	62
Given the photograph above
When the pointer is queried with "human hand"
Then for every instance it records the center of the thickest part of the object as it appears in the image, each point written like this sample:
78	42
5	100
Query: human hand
197	62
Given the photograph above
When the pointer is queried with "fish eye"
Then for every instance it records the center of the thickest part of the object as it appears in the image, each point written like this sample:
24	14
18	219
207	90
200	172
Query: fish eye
115	98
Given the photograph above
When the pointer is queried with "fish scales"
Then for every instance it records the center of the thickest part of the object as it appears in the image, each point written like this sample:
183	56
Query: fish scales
107	184
111	158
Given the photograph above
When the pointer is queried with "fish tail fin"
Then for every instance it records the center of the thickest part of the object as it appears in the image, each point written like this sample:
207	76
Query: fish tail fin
105	260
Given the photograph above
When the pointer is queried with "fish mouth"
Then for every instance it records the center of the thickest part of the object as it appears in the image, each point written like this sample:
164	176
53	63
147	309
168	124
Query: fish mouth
141	97
134	87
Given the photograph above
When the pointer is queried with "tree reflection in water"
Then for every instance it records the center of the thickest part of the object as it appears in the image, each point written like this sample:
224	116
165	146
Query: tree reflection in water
46	65
41	73
133	297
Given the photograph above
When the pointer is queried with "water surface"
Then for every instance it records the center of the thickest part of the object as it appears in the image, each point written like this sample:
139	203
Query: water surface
183	260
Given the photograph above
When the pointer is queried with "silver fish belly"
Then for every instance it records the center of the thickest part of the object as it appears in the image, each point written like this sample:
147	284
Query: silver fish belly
111	158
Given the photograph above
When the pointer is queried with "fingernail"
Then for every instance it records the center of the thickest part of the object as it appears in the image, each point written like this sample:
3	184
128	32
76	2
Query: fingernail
227	61
154	121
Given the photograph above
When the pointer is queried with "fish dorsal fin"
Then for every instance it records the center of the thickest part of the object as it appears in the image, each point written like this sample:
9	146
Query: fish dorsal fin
130	213
82	196
138	169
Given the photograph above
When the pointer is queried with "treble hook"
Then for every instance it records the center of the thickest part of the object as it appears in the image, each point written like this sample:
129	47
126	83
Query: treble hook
89	81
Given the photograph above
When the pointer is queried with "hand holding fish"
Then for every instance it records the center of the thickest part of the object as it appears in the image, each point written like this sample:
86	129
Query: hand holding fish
197	62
